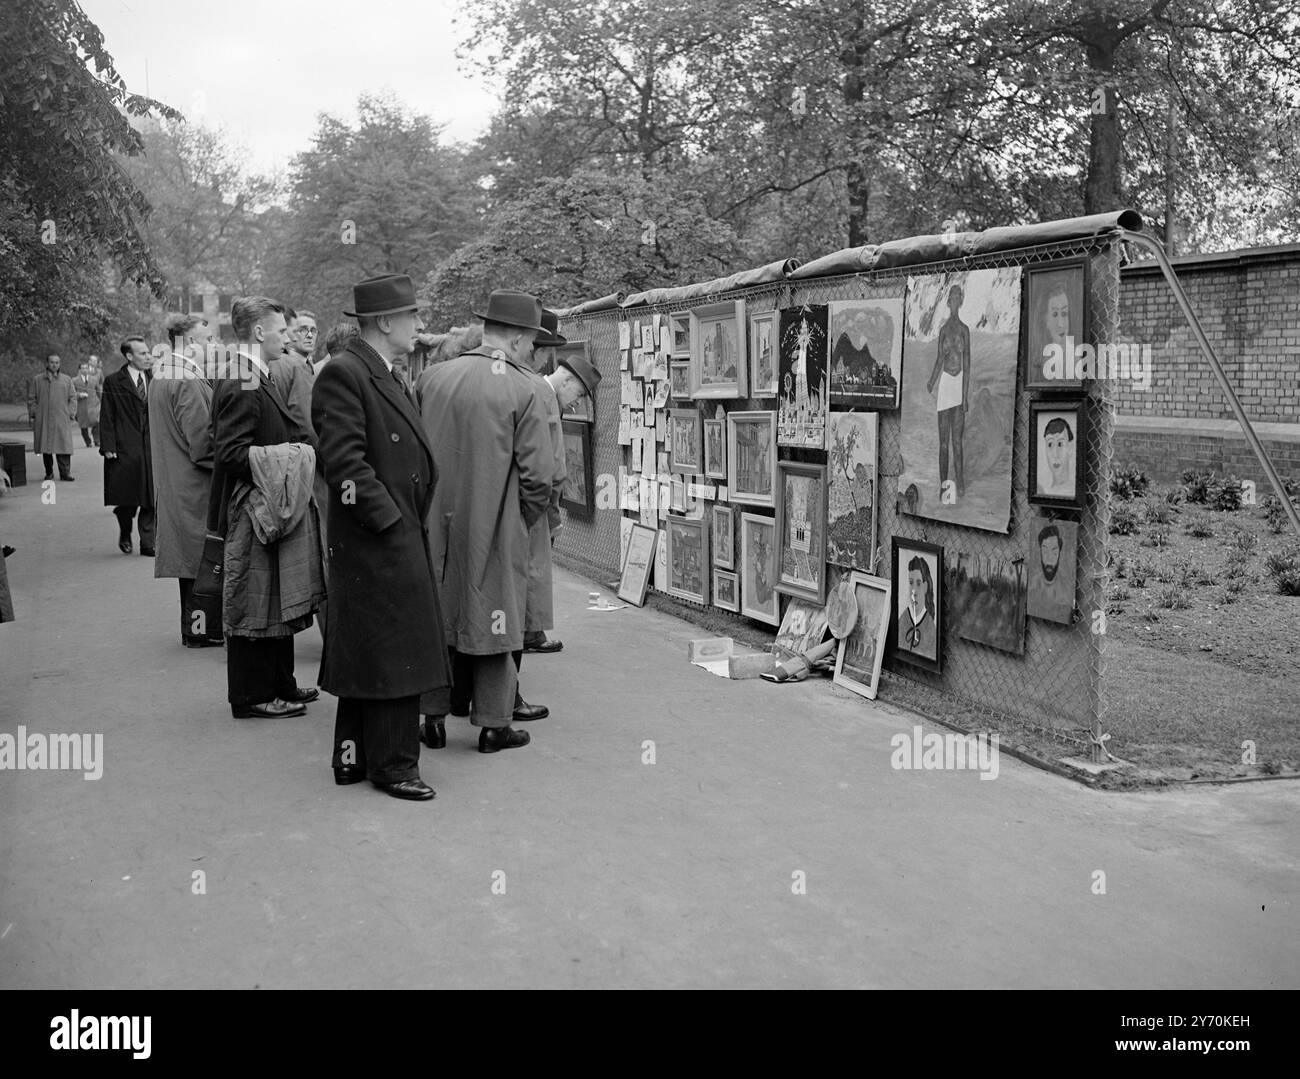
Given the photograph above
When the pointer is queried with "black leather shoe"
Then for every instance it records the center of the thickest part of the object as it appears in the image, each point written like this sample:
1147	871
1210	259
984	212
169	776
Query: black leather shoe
276	709
494	739
413	790
303	696
146	552
527	711
545	646
201	642
67	479
349	773
433	733
124	545
49	475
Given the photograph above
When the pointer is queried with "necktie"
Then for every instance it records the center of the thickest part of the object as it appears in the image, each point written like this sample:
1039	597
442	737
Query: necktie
140	390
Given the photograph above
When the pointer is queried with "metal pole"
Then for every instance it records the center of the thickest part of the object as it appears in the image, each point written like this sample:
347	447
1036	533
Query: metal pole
1150	244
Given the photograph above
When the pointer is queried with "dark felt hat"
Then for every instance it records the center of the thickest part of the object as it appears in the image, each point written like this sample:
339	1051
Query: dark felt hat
508	308
388	294
584	369
550	335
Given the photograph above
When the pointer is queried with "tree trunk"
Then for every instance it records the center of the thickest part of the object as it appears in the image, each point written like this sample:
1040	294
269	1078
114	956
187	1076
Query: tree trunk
857	179
1104	188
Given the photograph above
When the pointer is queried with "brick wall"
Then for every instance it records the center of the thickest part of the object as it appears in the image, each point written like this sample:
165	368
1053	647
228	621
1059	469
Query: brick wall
1164	455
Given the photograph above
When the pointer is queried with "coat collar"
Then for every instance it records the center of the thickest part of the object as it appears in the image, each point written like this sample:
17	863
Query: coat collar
386	382
497	354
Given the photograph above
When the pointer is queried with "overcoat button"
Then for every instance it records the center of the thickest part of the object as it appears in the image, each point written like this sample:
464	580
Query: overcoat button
395	438
415	477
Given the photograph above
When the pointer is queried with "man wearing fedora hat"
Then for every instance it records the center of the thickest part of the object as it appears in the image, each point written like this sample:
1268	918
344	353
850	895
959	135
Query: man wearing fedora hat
385	645
486	421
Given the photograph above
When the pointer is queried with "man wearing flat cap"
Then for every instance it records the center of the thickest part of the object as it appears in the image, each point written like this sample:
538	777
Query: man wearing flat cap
485	418
384	645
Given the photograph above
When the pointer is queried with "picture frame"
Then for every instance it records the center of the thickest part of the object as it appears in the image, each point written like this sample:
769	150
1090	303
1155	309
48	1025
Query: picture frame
578	493
718	366
715	442
852	440
759	598
685	441
584	408
858	660
723	536
637	562
1057	432
687	542
679	379
1056	314
751	458
803	627
865	368
802	397
679	331
801	530
763	351
726	590
916	637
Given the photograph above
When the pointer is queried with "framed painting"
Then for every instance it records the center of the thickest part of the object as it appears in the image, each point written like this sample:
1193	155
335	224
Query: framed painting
916	619
1058	353
866	360
851	494
679	379
1052	563
961	334
578	494
801	376
857	664
751	458
987	601
759	598
801	531
688	559
679	336
584	408
636	564
715	441
718	351
685	441
762	354
803	626
1055	460
724	536
726	589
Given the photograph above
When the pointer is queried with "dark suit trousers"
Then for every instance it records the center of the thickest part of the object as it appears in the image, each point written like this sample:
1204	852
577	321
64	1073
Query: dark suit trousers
126	514
65	464
258	669
384	738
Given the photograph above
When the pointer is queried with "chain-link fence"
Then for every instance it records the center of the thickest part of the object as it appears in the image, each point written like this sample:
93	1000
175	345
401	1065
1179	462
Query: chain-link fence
1055	687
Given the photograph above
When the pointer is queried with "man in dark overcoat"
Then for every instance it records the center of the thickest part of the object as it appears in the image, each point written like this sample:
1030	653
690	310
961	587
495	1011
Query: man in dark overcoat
384	646
124	445
486	422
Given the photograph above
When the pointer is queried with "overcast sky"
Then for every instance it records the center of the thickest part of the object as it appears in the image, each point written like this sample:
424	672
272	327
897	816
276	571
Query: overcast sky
263	69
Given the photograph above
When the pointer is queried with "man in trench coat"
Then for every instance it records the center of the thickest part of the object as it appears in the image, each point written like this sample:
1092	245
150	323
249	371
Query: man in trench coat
124	445
87	385
52	408
180	441
486	422
384	645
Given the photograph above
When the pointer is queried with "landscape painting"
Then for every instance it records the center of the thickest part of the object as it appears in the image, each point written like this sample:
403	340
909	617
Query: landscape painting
857	666
987	596
851	498
866	360
960	339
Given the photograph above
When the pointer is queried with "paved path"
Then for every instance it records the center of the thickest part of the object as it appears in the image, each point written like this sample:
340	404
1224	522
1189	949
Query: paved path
616	873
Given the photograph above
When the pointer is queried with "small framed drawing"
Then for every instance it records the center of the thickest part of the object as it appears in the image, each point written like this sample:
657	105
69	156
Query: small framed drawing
679	379
688	559
762	354
679	342
751	458
916	620
685	441
718	350
1056	325
578	494
857	665
1056	435
715	441
584	408
724	535
801	531
759	598
636	564
726	587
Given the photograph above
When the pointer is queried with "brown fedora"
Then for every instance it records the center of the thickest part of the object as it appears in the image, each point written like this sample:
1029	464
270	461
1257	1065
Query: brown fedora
550	335
506	307
388	294
584	369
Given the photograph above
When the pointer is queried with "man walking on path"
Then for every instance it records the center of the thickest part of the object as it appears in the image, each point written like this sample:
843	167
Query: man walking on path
89	388
124	445
52	408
